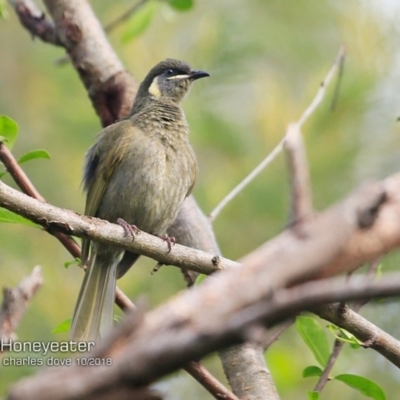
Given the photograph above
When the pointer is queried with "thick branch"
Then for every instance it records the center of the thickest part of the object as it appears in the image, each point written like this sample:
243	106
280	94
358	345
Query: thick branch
109	86
35	21
172	335
102	231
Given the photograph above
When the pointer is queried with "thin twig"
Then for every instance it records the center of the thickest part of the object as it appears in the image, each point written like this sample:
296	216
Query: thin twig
279	147
324	378
22	180
277	333
197	370
125	16
338	345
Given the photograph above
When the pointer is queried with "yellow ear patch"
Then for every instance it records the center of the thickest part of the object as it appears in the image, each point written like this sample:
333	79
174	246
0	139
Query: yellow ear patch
154	89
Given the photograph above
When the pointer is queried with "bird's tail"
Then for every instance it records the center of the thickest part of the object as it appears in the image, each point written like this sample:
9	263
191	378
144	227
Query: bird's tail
93	313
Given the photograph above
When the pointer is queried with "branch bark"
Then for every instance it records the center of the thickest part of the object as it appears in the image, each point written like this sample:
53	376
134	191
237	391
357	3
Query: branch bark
172	335
372	336
110	88
15	302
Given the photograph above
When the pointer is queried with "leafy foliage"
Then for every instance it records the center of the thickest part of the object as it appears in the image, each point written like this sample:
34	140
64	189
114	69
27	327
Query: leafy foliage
8	130
363	385
314	337
181	5
10	217
33	155
139	21
62	327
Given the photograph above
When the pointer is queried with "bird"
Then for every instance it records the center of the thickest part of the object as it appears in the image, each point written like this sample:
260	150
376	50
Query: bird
137	173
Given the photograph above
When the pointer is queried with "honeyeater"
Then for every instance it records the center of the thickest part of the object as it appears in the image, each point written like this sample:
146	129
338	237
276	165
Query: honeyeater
140	171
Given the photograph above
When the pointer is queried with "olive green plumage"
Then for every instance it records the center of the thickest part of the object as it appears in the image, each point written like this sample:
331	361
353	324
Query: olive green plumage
140	169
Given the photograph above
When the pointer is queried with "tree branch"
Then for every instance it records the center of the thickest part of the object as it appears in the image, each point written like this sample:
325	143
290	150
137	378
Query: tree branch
110	88
372	336
172	335
35	21
15	302
337	64
27	187
208	381
105	232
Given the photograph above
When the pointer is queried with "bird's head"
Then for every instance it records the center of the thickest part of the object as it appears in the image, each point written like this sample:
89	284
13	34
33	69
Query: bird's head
170	80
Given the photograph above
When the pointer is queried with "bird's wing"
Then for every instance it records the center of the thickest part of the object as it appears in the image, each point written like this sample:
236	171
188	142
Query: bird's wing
101	162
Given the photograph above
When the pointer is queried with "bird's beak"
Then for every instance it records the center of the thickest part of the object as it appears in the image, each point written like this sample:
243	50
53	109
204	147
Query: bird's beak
197	75
192	76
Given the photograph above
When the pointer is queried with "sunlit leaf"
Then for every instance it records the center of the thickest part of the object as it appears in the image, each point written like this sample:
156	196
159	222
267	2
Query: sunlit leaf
315	338
139	21
181	5
10	217
32	155
73	262
62	326
3	10
363	385
312	370
313	395
200	278
344	336
8	130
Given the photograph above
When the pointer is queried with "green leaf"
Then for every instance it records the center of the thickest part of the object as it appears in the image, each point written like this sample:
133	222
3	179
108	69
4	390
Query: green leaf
2	173
73	262
139	22
3	10
314	337
313	395
62	326
363	385
181	5
10	217
32	155
8	130
199	279
312	370
344	336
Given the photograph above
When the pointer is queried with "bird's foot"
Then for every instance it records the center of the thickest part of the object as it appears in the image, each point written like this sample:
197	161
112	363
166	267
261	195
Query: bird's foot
169	239
130	230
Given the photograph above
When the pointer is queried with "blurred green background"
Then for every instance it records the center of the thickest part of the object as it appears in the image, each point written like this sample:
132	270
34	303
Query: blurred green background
266	59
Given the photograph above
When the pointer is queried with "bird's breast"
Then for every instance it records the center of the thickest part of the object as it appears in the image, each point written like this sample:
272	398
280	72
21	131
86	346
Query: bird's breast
150	184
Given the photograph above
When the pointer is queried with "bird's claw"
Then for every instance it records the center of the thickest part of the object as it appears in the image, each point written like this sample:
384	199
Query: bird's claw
170	240
129	230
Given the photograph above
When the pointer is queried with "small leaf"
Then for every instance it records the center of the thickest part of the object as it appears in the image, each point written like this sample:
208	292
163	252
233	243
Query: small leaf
139	22
10	217
363	385
62	326
73	262
344	336
313	395
3	172
8	130
181	5
199	279
3	10
315	338
312	370
32	155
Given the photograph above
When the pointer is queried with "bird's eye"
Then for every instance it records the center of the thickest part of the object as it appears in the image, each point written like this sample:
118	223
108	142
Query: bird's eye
169	72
